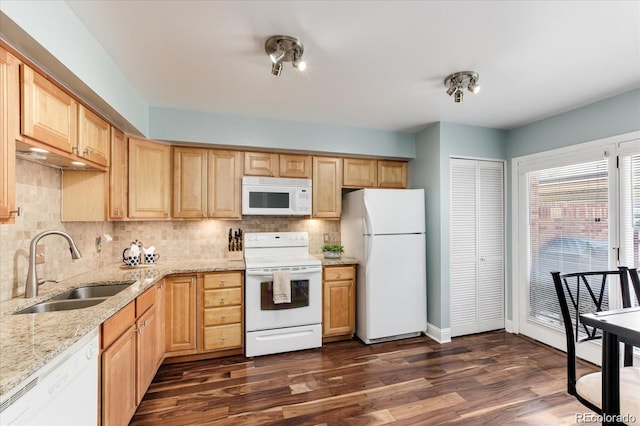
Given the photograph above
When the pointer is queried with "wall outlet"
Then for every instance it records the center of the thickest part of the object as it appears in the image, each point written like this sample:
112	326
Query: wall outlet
39	254
326	238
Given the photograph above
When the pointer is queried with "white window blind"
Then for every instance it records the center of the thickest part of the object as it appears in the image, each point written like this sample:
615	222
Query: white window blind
568	223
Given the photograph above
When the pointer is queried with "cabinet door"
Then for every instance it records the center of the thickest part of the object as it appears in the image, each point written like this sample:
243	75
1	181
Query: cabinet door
49	114
94	137
359	173
118	176
327	187
339	308
147	328
9	125
149	179
295	166
224	184
119	380
261	164
393	174
180	315
189	182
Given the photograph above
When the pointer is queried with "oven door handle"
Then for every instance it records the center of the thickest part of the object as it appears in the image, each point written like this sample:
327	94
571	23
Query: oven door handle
269	273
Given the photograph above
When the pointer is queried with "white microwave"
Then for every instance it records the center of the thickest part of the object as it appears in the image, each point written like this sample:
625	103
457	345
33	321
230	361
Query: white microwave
276	196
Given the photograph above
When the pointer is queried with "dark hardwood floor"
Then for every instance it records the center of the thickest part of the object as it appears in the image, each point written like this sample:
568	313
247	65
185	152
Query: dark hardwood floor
491	378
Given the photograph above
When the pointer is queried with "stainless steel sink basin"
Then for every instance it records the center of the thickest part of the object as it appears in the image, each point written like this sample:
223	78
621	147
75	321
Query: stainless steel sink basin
92	291
77	298
61	305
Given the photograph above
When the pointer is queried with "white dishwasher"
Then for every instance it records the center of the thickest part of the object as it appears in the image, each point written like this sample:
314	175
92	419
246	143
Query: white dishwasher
63	392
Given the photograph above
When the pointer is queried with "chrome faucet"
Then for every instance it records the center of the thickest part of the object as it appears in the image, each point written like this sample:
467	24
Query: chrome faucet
31	287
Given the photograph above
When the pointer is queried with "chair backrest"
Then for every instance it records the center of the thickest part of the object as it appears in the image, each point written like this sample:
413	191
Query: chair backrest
635	281
585	292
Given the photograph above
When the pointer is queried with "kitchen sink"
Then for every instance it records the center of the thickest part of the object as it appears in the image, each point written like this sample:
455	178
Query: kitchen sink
92	291
61	305
77	298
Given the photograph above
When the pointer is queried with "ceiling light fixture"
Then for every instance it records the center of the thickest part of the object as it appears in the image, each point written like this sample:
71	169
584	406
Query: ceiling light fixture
456	82
282	48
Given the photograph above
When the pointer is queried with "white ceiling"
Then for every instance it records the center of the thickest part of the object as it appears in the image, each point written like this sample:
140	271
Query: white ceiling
373	64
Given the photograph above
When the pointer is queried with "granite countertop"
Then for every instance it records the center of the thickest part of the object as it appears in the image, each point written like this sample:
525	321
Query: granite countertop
30	341
342	260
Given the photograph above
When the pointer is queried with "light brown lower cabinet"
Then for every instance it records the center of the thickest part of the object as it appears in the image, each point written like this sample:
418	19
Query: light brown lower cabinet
204	315
180	315
222	311
339	302
130	357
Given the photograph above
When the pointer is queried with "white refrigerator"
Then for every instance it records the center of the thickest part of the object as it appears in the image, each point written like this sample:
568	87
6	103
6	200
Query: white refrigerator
385	230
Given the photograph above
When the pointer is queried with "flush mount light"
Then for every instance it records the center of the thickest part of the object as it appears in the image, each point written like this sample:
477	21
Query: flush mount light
282	48
456	82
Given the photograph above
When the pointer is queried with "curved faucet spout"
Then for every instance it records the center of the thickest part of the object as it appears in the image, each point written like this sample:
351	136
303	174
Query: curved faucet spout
31	286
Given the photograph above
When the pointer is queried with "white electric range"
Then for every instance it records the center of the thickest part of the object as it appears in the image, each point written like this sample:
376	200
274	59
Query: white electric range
273	327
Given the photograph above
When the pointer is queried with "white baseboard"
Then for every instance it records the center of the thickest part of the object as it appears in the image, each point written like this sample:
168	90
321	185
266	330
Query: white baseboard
438	334
509	326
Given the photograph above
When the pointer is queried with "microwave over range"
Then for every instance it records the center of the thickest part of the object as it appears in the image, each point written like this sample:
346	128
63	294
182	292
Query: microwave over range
276	196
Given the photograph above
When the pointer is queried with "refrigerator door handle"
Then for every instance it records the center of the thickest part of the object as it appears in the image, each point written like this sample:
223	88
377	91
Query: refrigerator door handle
367	218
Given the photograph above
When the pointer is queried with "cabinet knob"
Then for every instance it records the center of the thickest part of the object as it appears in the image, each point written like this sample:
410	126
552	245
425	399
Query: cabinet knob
223	337
222	300
223	317
87	152
222	283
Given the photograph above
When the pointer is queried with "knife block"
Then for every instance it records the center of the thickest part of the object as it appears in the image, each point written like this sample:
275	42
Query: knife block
236	255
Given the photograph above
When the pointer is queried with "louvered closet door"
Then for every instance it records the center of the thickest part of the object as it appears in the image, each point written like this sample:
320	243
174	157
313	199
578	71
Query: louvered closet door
477	246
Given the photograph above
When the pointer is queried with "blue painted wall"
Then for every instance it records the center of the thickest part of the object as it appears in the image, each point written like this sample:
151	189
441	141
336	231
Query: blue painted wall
256	133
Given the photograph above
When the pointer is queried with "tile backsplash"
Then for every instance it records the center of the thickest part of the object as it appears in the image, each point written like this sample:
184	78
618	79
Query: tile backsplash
38	193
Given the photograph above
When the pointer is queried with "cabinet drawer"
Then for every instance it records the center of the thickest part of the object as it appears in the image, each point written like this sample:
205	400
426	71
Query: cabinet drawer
223	336
220	316
339	273
232	279
117	324
145	301
226	297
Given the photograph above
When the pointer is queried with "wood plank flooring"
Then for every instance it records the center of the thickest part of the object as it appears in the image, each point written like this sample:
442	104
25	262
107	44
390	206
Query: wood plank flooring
490	378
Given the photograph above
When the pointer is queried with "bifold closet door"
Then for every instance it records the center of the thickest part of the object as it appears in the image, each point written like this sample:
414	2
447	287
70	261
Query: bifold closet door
477	246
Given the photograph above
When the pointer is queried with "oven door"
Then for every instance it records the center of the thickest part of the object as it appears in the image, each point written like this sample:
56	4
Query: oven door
306	299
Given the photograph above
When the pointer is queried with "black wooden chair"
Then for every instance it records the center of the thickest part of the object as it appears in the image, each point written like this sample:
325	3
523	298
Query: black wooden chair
585	292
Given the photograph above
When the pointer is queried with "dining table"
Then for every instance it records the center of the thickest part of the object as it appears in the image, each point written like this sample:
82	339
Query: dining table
619	325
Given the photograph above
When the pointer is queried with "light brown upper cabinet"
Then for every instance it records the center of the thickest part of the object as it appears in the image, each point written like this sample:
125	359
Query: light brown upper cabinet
49	114
189	182
94	137
206	183
367	173
327	187
52	119
393	174
277	165
9	128
359	173
149	179
224	186
118	175
295	166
